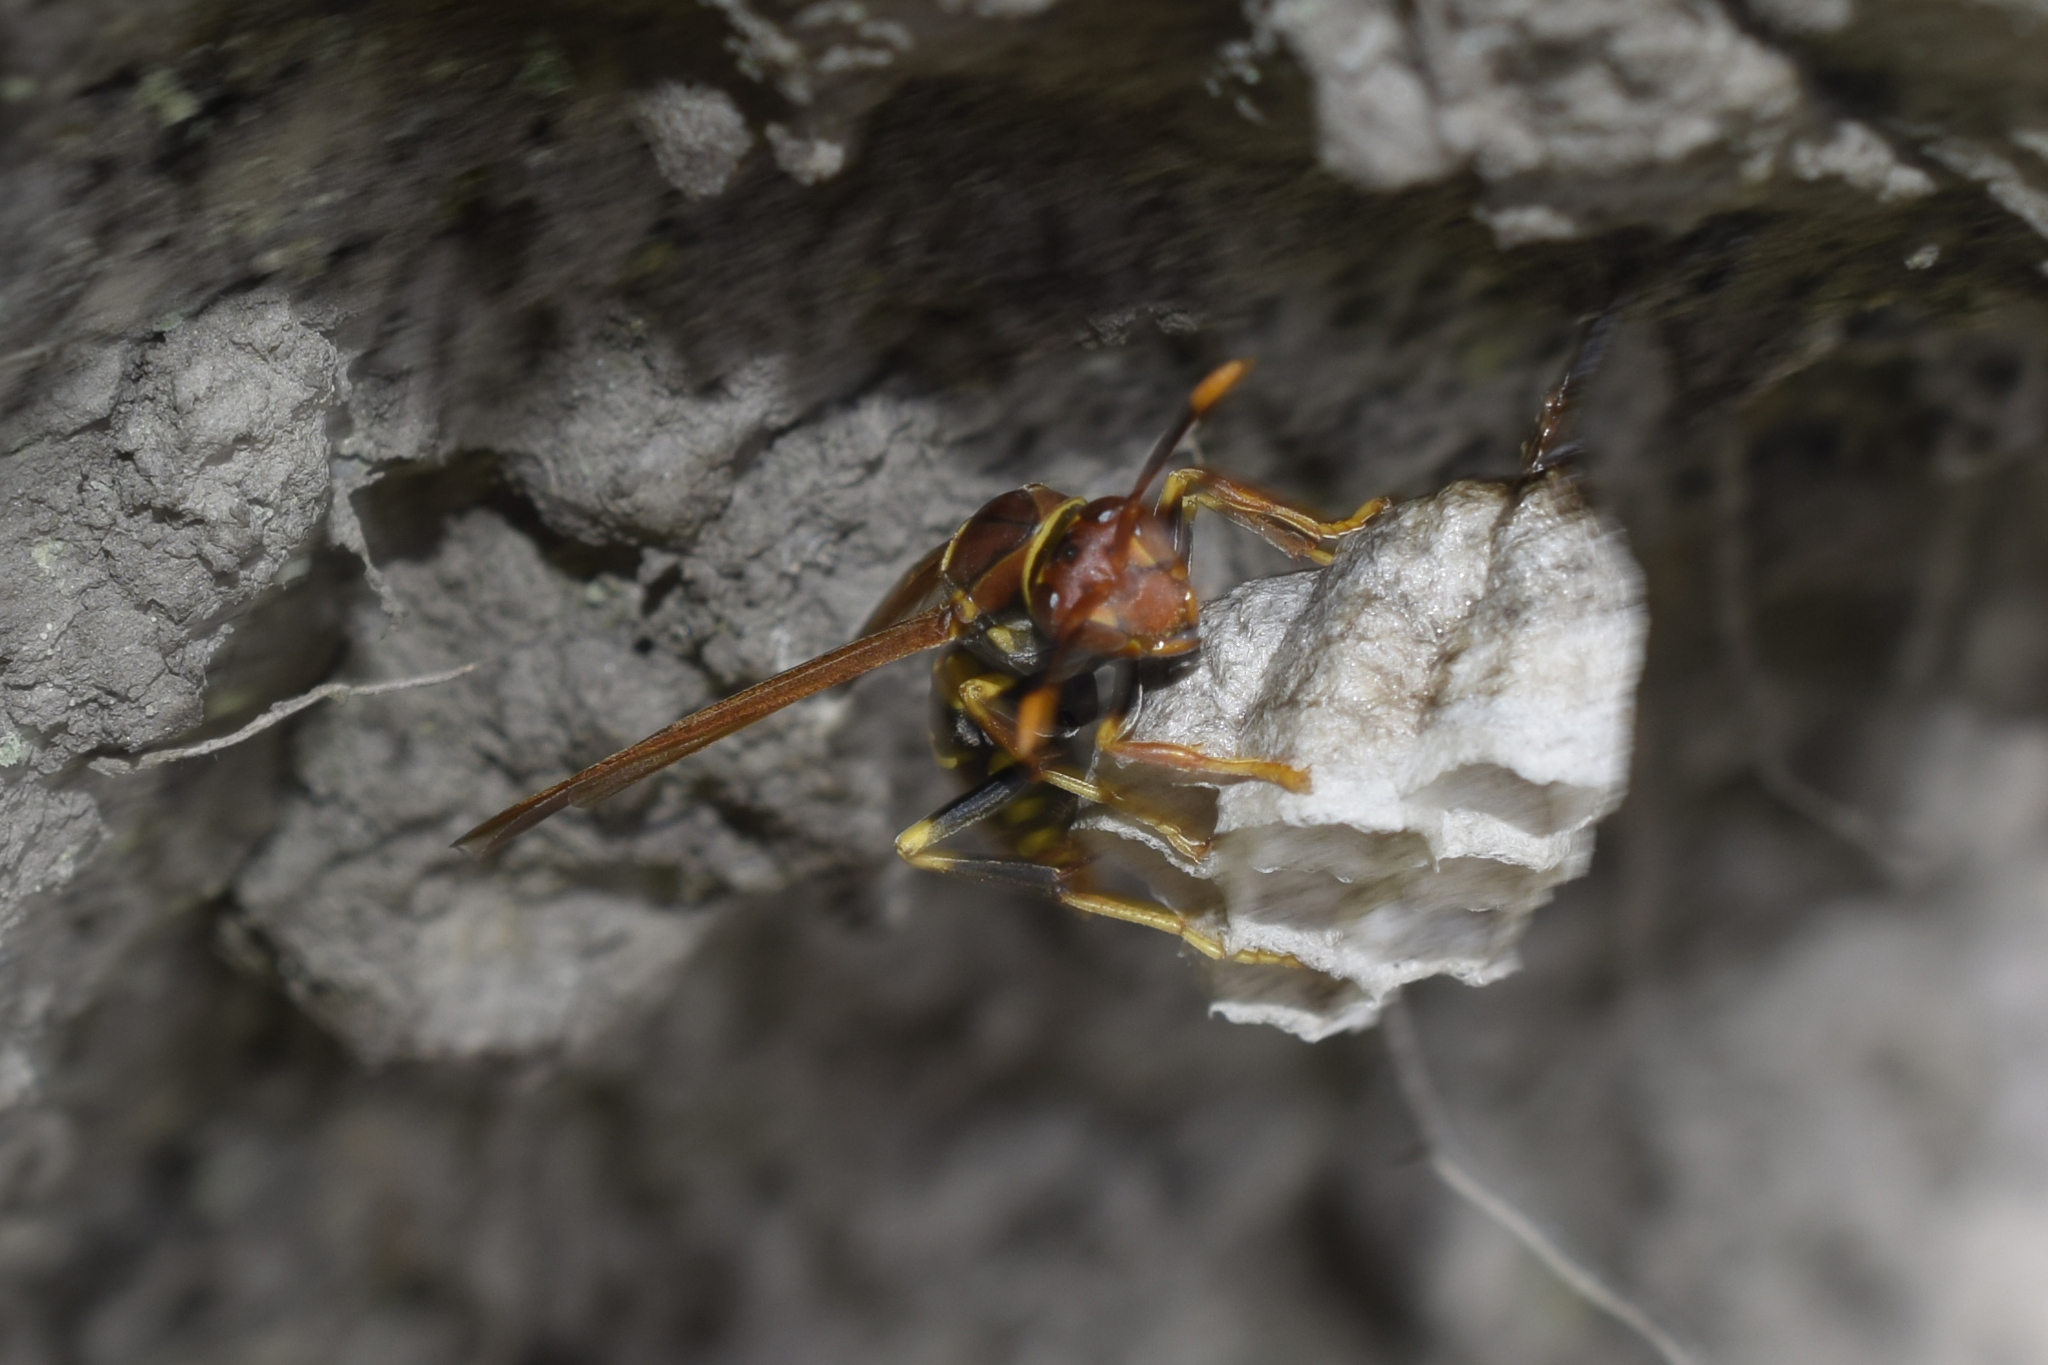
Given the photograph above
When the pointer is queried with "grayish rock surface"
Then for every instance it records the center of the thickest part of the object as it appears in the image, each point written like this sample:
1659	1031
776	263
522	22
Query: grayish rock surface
588	917
697	135
155	490
469	964
620	445
362	343
1633	113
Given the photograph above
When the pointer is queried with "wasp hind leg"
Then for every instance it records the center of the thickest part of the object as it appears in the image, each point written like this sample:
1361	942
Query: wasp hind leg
1054	875
917	845
1153	915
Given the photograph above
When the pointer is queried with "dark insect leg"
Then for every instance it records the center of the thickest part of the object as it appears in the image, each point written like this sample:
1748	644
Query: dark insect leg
915	846
977	696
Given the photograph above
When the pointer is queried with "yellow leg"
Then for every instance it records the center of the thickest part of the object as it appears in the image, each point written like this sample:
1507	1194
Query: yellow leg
1168	922
977	696
1181	758
1193	849
916	847
1288	529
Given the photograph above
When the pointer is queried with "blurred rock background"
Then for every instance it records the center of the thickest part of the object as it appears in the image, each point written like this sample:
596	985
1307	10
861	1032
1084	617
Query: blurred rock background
631	347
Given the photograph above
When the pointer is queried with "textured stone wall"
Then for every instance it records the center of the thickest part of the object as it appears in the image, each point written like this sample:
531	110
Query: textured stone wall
628	351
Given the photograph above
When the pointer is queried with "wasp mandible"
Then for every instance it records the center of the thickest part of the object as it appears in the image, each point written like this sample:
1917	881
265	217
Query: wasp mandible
1031	598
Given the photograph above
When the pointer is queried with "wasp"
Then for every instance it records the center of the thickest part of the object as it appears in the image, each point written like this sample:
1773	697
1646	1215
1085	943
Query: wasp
1030	600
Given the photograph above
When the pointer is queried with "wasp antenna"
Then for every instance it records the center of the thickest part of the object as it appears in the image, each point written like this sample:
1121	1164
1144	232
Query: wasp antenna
1207	394
1221	380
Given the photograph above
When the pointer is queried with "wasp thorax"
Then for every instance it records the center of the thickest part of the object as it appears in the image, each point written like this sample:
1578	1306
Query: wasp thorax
1110	583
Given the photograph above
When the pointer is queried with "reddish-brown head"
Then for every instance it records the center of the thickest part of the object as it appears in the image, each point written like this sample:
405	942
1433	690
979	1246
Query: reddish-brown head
1103	581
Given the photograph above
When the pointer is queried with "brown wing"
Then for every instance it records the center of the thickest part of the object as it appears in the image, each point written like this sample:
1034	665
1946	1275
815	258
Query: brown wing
712	723
918	590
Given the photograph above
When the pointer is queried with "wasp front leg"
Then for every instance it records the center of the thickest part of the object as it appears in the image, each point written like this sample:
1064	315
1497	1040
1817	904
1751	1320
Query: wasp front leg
977	696
1182	758
977	699
1288	529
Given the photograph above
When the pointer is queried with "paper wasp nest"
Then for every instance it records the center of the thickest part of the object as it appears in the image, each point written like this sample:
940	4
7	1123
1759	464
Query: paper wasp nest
1460	684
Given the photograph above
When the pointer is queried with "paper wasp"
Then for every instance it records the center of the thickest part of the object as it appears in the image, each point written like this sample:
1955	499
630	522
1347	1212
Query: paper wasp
1031	598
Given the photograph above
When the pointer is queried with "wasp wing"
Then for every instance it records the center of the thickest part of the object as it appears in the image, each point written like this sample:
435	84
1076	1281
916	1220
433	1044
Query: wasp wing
921	588
712	723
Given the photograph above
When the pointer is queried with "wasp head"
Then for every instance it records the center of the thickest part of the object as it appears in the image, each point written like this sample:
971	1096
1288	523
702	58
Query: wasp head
1104	581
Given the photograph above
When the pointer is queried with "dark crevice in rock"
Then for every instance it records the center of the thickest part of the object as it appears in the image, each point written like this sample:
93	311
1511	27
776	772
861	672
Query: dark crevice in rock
407	509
